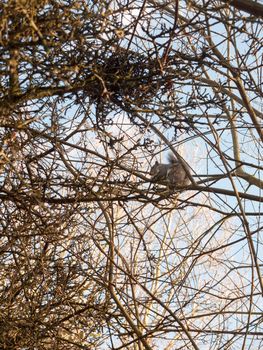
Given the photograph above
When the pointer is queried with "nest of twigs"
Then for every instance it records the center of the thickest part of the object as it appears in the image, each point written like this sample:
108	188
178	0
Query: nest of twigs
128	75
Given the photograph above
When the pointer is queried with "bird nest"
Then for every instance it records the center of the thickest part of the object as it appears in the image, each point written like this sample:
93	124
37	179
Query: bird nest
128	75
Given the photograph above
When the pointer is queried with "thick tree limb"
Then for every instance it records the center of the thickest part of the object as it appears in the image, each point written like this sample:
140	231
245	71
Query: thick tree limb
250	6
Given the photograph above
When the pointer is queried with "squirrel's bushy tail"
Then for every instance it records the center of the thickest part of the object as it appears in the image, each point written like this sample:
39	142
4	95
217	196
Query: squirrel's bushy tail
172	159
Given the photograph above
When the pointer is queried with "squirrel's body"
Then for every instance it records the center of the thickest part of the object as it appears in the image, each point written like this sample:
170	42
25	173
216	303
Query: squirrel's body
173	172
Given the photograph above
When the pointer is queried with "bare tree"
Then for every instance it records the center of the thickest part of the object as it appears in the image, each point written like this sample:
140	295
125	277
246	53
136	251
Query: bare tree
95	254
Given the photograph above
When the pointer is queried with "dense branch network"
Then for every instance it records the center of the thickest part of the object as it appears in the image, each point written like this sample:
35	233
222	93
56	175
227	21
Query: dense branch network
94	252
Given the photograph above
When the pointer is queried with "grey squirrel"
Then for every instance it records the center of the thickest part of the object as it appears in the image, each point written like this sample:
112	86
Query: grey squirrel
172	173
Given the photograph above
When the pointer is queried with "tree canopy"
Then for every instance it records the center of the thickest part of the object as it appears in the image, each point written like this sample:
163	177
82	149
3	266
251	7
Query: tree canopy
94	253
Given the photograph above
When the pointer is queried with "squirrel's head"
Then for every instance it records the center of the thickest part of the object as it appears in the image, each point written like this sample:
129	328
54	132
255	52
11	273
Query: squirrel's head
154	168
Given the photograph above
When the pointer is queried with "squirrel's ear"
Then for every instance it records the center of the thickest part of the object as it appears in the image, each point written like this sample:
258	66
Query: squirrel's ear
156	162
